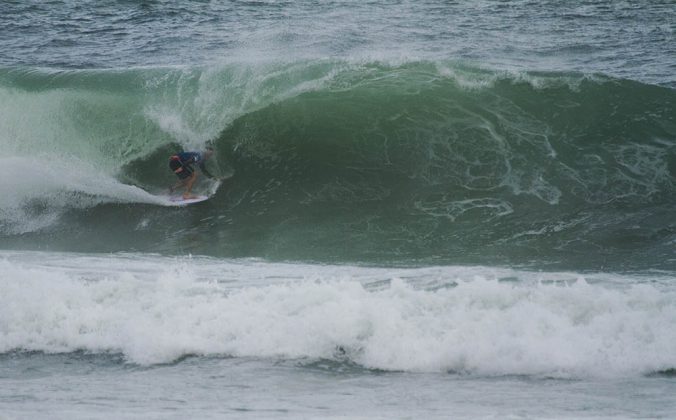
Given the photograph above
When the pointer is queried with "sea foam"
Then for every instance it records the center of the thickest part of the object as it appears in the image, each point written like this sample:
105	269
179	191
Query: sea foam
470	320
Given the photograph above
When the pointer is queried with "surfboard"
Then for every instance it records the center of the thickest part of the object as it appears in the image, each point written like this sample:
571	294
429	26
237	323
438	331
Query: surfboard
180	201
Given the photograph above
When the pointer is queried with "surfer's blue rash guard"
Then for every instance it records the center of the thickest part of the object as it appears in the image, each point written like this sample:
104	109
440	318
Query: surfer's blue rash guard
189	158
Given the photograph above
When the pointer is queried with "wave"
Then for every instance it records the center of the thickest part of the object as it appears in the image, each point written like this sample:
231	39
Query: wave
88	125
472	320
409	152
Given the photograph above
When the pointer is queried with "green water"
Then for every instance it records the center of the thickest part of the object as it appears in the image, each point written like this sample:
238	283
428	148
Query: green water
334	161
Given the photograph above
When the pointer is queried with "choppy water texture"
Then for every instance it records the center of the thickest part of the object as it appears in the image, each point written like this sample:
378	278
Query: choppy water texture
474	203
629	39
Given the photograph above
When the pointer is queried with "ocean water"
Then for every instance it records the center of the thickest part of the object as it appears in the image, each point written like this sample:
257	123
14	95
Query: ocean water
436	210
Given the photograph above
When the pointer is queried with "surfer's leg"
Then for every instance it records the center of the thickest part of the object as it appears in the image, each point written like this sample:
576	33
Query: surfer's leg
188	186
183	174
179	184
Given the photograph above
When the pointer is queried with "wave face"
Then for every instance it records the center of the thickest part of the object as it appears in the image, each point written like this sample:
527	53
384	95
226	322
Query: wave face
346	161
479	321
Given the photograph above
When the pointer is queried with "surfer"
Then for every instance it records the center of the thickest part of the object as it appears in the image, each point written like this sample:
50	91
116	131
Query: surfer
181	164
